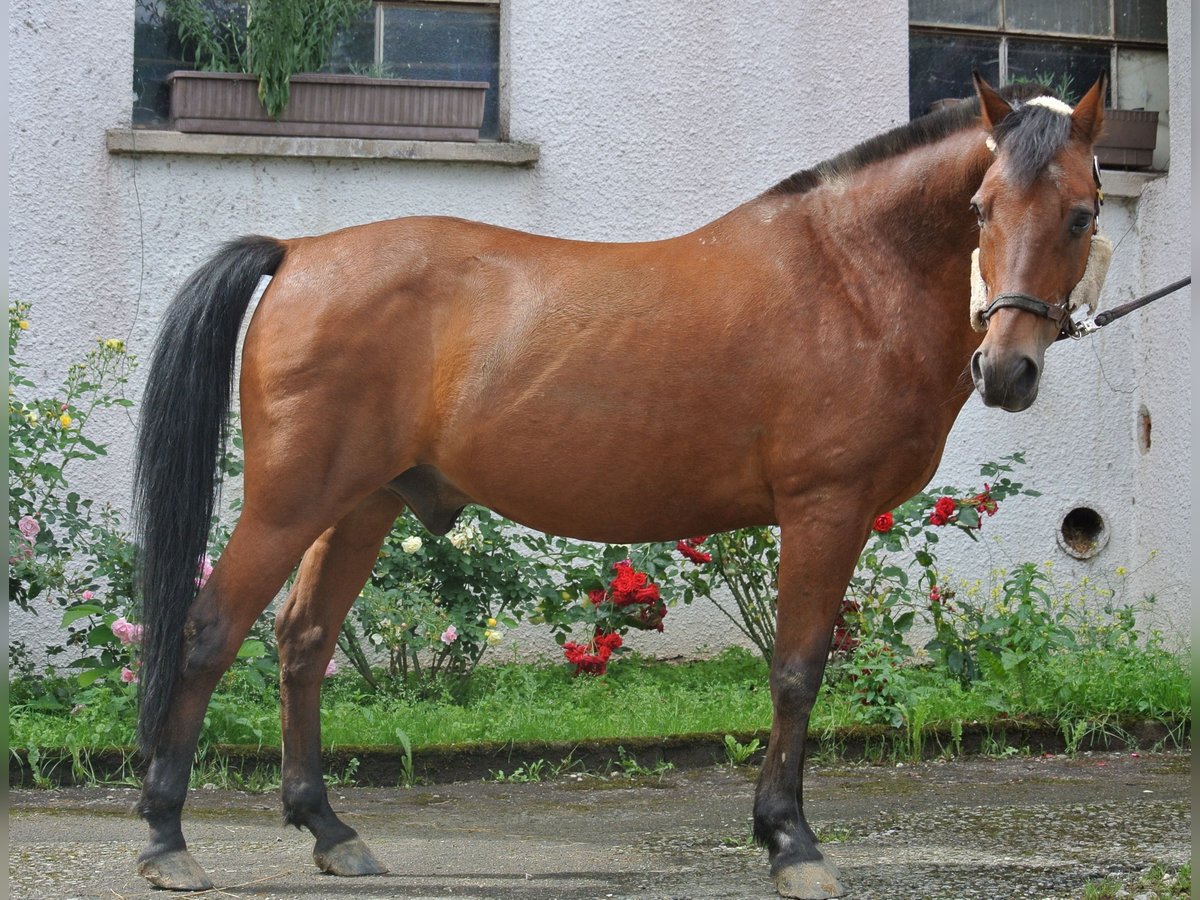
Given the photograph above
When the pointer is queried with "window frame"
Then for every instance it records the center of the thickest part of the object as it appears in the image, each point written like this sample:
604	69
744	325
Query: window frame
1004	33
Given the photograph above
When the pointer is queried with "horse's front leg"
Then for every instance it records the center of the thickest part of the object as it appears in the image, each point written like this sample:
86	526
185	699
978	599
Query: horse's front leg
816	562
332	573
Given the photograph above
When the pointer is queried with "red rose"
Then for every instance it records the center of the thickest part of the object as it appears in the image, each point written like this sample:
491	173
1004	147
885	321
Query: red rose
883	524
935	596
627	583
946	507
597	596
936	519
688	549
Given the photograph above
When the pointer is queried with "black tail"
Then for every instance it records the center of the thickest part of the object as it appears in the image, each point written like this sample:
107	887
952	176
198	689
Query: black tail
182	433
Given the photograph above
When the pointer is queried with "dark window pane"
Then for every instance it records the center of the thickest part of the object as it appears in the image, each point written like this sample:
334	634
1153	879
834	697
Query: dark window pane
1142	19
1059	16
955	12
939	66
1078	65
354	47
446	43
157	51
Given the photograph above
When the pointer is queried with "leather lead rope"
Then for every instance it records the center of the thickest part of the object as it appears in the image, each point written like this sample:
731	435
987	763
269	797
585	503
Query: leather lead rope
1111	315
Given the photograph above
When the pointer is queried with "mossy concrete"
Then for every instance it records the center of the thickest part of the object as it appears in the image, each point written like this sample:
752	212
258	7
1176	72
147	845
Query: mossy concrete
1039	826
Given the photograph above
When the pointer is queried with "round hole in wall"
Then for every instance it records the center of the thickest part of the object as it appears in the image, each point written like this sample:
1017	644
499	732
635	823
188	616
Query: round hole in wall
1143	430
1083	532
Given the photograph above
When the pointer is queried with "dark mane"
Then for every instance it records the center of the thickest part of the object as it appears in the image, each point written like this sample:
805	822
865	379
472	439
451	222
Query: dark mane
1031	136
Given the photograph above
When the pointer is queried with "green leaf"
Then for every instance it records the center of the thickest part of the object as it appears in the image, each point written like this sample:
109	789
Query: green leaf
88	677
251	649
80	611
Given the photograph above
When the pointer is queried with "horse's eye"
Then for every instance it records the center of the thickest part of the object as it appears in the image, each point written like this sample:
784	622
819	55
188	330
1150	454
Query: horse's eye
977	208
1081	222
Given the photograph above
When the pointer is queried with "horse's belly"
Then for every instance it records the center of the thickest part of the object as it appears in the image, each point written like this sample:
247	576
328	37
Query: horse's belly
616	486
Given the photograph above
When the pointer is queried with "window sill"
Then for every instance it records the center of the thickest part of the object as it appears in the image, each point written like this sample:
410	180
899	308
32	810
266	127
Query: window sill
139	141
1126	185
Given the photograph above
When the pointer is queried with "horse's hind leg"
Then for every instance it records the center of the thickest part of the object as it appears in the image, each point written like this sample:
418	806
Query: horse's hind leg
256	561
332	573
816	562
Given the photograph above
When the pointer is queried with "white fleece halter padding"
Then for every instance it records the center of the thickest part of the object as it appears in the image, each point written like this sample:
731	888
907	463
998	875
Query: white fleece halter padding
1085	293
1051	103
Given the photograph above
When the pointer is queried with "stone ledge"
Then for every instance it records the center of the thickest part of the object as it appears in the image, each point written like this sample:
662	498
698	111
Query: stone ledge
139	141
1126	185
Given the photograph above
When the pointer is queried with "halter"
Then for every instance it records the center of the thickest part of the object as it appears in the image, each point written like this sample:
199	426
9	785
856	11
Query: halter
1086	291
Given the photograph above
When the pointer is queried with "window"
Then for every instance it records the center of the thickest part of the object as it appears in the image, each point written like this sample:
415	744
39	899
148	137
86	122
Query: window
446	40
1064	44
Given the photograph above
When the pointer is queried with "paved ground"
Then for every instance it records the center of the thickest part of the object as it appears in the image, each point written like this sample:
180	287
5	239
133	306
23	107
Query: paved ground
1030	827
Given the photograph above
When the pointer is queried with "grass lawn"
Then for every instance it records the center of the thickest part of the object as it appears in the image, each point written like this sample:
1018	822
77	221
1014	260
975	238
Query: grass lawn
638	698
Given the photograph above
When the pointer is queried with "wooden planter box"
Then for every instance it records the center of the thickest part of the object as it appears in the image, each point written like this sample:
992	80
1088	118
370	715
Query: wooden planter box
347	106
1128	138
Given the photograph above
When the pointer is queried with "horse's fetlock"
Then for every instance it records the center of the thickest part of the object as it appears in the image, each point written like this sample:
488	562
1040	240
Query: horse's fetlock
302	800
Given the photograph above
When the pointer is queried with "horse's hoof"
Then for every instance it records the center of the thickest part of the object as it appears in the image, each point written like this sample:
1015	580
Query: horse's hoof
814	880
348	858
174	870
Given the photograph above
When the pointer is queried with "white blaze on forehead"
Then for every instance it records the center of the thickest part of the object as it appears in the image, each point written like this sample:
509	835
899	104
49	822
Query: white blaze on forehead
1051	103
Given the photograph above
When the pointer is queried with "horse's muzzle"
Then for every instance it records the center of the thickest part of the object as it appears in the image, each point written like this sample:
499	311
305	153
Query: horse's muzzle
1009	381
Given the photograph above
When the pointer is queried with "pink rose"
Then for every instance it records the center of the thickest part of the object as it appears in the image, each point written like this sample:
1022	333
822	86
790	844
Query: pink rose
88	595
29	528
450	635
127	631
331	669
205	568
128	676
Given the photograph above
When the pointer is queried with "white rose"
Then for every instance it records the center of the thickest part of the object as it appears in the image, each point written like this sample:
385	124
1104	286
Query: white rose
411	544
458	539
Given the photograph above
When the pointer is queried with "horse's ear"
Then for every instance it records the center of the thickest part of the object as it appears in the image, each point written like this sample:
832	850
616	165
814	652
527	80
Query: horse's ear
1088	117
992	106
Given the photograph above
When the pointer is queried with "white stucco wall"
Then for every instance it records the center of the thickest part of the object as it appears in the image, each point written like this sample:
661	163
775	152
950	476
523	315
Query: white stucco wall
651	121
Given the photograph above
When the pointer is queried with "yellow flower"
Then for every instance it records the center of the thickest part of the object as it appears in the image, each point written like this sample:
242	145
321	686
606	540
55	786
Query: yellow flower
23	324
32	418
492	637
1122	571
65	420
115	344
491	623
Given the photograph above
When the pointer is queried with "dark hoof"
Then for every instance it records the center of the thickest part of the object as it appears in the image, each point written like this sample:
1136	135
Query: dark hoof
348	858
814	880
174	870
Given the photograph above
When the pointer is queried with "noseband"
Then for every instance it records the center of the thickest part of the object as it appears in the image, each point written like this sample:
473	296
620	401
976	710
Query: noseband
1058	313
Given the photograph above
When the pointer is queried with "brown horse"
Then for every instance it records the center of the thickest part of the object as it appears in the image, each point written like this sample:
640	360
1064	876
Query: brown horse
429	363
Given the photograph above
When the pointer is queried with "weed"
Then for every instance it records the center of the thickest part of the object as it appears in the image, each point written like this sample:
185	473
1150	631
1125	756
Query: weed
738	753
1158	883
630	768
344	778
531	772
744	841
834	834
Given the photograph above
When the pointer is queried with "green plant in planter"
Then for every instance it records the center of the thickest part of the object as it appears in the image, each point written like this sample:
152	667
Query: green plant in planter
1060	88
273	39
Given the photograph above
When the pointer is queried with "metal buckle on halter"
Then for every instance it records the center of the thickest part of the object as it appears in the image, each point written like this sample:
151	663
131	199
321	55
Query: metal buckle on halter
1079	328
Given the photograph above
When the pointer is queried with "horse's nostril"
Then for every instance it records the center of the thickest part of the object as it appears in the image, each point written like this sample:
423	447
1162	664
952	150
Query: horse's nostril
977	367
1025	376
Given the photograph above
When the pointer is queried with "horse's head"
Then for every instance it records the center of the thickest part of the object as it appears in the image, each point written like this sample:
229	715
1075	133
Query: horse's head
1037	209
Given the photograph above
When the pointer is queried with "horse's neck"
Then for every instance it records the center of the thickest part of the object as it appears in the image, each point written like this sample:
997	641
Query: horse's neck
899	235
